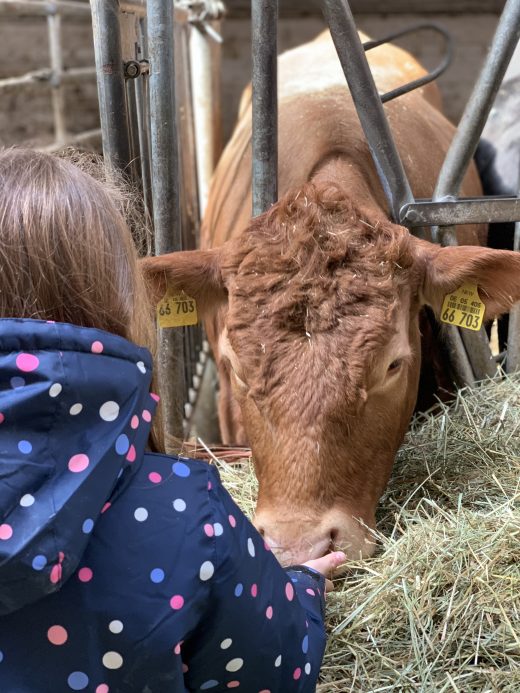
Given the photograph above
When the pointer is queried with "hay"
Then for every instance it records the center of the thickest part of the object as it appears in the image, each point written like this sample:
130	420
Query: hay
438	607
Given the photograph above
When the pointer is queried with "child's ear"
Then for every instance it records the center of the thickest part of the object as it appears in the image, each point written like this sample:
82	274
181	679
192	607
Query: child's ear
196	272
495	272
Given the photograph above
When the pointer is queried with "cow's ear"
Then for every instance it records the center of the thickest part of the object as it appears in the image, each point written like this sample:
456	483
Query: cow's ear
196	272
495	272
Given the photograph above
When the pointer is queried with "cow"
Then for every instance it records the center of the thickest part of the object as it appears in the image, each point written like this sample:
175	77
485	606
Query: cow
313	308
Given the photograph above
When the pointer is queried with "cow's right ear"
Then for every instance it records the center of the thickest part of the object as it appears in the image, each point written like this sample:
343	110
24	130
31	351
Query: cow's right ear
196	272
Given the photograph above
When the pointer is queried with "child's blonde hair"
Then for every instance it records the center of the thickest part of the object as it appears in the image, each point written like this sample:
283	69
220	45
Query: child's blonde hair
66	252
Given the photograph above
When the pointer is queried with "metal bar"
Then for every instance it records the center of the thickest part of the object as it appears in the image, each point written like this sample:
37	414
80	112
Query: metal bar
368	104
41	78
57	93
73	139
512	361
165	193
264	15
111	83
477	110
35	8
141	96
476	210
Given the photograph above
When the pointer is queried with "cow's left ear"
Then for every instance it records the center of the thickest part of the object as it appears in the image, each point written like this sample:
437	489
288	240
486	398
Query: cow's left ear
196	272
495	272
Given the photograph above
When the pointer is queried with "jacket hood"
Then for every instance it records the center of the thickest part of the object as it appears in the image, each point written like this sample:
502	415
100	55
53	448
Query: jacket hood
75	413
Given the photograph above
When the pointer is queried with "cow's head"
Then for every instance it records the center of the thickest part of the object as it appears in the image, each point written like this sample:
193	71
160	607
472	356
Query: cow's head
320	334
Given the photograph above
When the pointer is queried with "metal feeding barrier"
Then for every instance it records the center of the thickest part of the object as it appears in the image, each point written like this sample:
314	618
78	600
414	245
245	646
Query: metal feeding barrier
469	352
55	78
156	65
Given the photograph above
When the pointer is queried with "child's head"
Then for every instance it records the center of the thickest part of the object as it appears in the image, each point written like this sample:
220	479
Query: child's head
66	253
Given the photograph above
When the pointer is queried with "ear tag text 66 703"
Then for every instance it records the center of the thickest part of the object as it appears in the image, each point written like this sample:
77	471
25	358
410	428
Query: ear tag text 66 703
176	309
463	308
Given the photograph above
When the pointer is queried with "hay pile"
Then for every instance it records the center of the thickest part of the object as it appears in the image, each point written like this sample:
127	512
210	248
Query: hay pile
438	608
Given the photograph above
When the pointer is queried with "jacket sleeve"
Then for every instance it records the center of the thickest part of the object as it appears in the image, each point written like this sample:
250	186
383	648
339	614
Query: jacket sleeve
263	629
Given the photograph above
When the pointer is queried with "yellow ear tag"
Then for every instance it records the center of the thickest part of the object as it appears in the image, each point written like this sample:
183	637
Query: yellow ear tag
176	310
463	308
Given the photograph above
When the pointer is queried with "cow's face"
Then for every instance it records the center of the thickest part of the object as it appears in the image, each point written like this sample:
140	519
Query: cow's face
319	334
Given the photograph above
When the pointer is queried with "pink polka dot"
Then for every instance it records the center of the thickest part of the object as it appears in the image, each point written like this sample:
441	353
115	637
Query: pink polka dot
266	546
146	416
6	532
97	347
311	592
289	591
265	690
85	574
102	688
57	635
233	684
56	573
232	521
105	507
155	397
269	612
61	556
78	463
134	423
297	673
2	418
131	454
177	648
155	478
208	530
184	668
27	362
177	602
254	590
209	486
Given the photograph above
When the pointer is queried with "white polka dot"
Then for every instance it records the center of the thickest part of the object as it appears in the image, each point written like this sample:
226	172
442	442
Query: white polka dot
235	664
109	411
27	500
278	661
225	644
251	547
141	366
75	409
308	668
115	626
218	529
55	389
141	514
179	505
206	570
112	660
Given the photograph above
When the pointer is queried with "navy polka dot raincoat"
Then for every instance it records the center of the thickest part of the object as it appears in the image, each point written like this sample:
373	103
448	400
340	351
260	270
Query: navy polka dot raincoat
120	570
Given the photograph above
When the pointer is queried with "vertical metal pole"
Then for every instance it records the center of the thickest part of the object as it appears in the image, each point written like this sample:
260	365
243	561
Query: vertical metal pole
368	104
264	15
513	332
58	96
165	193
111	83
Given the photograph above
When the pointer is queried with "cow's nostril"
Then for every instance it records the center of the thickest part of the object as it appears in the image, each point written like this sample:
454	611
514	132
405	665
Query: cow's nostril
333	536
261	531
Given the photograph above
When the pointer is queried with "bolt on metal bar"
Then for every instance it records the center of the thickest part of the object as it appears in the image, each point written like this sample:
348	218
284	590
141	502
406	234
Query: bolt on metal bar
264	15
165	193
476	112
368	104
58	95
111	83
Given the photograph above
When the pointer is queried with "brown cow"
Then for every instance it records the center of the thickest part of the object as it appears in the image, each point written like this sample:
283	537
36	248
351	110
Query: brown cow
313	308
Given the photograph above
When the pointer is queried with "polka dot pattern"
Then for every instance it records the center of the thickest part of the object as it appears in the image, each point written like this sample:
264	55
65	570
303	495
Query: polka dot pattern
109	411
57	635
55	389
27	362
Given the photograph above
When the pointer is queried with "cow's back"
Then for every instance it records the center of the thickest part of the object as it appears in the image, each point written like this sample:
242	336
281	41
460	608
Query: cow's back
317	120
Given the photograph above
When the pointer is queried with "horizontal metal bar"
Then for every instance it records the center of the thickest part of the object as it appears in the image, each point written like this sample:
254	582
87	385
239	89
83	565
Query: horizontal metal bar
72	139
35	8
478	210
43	78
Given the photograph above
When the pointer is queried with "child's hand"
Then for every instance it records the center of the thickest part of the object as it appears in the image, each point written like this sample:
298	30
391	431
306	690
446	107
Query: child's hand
326	565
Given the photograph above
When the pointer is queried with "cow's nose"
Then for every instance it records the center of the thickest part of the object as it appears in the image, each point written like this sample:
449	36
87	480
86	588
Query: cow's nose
298	539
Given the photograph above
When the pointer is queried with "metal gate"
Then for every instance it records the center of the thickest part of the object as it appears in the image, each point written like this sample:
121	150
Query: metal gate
157	67
469	352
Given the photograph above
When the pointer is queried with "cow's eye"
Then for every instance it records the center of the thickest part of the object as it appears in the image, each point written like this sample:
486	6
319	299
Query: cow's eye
395	365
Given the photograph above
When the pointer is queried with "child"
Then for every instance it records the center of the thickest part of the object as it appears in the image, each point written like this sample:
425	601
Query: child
120	570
